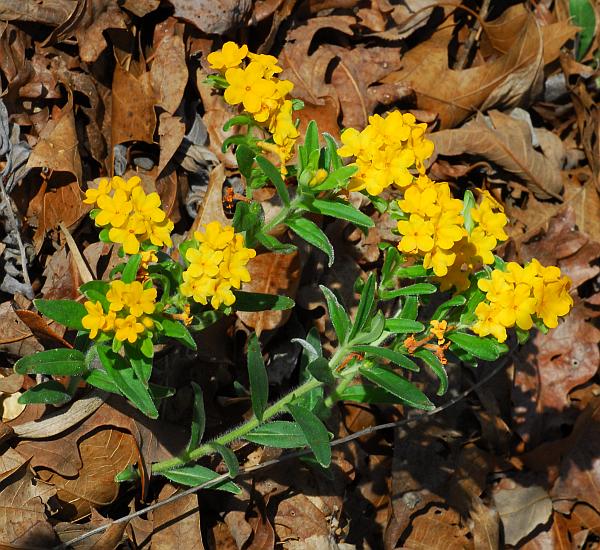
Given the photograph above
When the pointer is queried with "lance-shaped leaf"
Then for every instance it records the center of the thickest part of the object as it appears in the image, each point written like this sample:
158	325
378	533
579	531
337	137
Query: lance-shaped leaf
259	381
47	393
367	299
54	362
198	418
67	312
197	475
273	173
315	432
337	314
279	433
436	366
311	233
484	348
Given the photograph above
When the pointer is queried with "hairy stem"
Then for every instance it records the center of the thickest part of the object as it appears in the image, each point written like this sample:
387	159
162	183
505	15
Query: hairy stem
239	432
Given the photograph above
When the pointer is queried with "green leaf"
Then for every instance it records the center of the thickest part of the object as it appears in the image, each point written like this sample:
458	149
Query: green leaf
309	231
389	355
320	369
411	272
436	366
197	475
365	306
231	461
128	385
67	312
245	160
198	418
410	308
274	245
484	348
315	432
175	329
100	379
273	173
443	309
239	120
337	314
337	178
468	204
279	433
257	301
363	393
311	144
141	365
403	326
374	331
46	393
392	257
131	268
259	381
96	292
343	211
147	347
332	146
398	386
410	290
54	362
584	16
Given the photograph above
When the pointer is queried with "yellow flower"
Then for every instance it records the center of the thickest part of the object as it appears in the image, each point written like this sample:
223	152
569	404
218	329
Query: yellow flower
95	319
438	329
92	195
147	206
147	257
113	210
553	300
319	177
247	86
418	235
128	236
159	234
496	286
140	300
492	223
268	63
128	329
229	56
516	307
216	266
128	186
420	201
484	244
487	322
117	295
439	260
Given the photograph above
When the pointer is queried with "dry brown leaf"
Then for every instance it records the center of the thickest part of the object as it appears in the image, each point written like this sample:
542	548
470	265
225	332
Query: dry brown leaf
62	279
48	337
104	453
506	81
505	141
133	101
176	522
211	208
169	73
553	537
438	528
579	476
271	274
213	16
141	7
16	337
171	130
49	13
297	517
522	509
22	505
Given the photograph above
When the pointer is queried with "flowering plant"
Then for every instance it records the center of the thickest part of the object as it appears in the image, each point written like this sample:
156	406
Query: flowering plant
444	256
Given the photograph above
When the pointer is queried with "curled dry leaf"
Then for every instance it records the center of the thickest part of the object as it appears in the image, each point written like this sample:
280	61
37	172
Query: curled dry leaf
22	505
506	142
506	80
169	72
16	338
213	16
522	509
271	274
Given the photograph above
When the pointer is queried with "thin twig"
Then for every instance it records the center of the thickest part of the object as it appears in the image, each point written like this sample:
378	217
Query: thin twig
15	226
465	52
288	456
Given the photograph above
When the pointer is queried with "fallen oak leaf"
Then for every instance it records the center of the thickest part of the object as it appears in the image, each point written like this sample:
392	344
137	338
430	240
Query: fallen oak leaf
505	141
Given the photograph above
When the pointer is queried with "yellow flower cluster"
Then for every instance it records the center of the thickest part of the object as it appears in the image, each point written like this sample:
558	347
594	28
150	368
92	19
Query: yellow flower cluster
216	265
132	216
127	316
256	87
515	296
385	150
435	230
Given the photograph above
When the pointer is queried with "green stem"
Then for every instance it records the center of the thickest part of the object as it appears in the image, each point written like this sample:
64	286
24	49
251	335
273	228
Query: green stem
284	213
239	432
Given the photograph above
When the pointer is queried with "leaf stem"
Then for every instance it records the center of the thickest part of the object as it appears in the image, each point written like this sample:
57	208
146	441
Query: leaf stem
239	432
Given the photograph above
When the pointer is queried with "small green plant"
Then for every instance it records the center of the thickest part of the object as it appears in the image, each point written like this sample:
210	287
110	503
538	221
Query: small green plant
445	245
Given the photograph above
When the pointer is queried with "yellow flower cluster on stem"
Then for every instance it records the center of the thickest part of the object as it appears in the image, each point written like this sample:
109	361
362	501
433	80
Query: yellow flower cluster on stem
385	151
130	305
216	265
517	295
253	84
131	216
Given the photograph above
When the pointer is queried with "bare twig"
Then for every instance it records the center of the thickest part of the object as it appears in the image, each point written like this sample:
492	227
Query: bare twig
288	456
465	52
